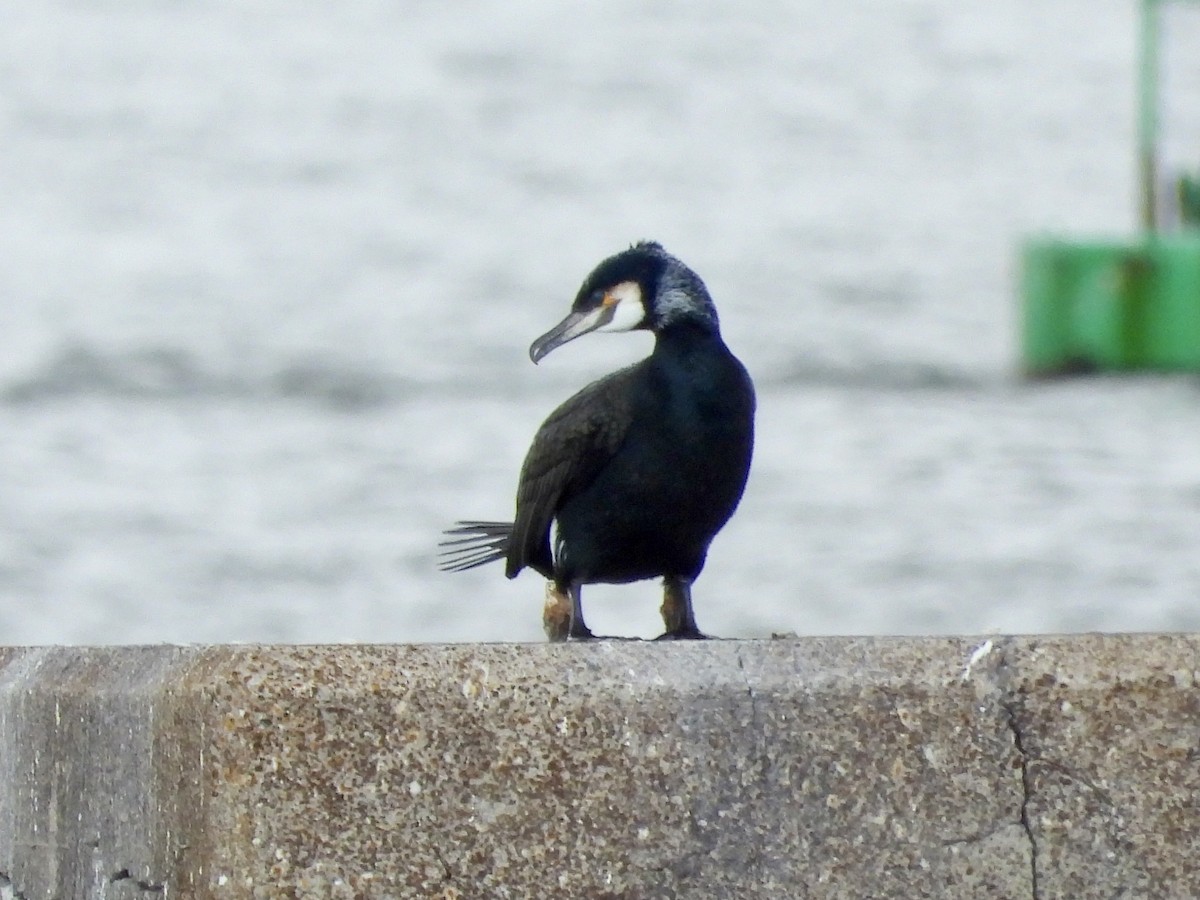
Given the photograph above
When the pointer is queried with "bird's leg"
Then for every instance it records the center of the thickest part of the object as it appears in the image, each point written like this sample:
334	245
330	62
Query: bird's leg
562	616
578	630
677	613
556	614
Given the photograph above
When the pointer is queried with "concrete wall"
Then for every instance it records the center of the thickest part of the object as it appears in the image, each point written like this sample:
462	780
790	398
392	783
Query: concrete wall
813	768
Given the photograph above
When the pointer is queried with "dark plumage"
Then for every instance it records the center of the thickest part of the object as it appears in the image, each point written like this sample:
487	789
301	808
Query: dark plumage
640	469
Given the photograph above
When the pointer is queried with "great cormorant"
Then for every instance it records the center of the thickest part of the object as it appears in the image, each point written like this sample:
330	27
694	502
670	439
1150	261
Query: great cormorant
640	469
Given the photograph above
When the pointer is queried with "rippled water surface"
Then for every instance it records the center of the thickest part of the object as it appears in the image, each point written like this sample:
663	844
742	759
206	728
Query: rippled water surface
269	271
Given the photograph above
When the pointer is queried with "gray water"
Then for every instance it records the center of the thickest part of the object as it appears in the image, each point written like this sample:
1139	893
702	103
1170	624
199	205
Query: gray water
269	271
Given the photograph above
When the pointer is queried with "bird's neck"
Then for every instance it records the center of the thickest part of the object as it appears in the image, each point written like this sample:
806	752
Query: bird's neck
687	332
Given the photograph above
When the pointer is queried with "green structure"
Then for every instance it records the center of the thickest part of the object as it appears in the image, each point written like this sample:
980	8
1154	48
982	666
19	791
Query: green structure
1120	304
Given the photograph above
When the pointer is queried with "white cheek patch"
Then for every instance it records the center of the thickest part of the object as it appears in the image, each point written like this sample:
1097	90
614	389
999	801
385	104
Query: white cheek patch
628	312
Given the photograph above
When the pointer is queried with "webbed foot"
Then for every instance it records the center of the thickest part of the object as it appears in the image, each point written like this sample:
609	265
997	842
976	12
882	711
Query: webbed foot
683	634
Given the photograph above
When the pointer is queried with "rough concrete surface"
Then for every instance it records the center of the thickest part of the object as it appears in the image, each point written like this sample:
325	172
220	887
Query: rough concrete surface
1063	767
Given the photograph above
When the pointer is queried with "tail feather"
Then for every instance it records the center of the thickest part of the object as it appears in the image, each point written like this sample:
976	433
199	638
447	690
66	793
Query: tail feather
474	544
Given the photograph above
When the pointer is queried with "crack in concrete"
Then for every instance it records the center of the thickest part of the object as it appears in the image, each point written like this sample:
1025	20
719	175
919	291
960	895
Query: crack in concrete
148	887
1014	726
1011	701
750	692
756	859
447	872
706	841
977	837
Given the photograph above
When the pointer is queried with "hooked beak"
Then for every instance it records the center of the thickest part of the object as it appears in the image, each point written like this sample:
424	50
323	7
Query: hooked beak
574	325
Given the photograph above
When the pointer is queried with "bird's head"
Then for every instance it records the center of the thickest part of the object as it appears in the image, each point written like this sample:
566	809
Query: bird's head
644	287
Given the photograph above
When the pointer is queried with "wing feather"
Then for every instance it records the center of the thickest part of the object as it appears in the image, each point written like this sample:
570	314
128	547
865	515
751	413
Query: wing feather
570	449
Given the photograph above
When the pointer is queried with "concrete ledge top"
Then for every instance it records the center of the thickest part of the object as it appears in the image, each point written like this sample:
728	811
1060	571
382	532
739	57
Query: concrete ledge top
816	767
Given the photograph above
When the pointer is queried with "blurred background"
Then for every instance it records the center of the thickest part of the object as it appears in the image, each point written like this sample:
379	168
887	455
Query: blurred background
269	272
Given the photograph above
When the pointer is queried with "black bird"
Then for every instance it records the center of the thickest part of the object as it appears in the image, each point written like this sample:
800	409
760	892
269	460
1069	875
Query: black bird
638	470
